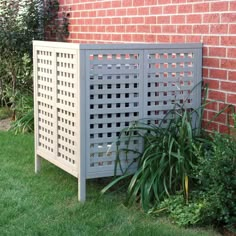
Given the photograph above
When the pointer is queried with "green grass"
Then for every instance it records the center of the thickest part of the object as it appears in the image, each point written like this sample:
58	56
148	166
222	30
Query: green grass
46	203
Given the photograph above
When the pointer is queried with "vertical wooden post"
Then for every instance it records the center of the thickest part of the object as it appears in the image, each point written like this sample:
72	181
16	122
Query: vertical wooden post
37	163
81	124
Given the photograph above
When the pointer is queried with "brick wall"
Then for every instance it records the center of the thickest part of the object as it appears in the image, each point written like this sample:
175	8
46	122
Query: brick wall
169	21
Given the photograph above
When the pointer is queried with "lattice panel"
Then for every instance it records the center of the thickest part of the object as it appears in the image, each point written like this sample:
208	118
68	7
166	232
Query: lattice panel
114	101
66	106
169	79
44	100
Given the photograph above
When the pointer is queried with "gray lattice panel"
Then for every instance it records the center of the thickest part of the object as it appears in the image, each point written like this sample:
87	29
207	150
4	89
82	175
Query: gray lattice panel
114	100
170	78
86	94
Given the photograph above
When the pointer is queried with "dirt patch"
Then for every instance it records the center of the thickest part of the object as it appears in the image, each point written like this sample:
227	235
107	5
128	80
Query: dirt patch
5	124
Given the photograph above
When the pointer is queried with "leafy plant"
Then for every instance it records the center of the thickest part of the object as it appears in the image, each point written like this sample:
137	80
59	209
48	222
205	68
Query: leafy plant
181	213
165	164
216	174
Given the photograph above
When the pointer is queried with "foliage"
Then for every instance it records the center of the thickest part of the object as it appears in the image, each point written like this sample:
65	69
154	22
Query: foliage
216	174
30	207
20	23
182	213
5	112
24	114
56	27
166	162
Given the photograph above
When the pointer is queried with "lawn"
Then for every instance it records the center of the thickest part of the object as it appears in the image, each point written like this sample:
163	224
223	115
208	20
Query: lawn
46	203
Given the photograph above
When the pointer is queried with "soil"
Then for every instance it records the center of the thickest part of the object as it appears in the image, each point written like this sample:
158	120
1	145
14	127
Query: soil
5	124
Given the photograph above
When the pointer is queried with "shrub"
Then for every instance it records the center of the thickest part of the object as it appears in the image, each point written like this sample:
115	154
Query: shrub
216	174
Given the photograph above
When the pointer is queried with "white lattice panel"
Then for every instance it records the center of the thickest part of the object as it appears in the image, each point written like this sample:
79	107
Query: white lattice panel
66	62
45	101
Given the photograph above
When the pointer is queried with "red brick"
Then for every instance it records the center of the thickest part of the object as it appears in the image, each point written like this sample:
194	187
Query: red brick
228	17
211	40
184	29
201	29
106	37
116	4
143	11
106	21
155	29
228	64
177	39
219	29
163	1
151	2
163	39
211	105
150	20
130	28
116	37
169	9
92	14
120	28
105	5
224	129
150	38
217	52
111	12
116	21
126	20
138	3
163	19
231	52
201	7
211	18
231	98
196	18
110	28
127	37
169	28
138	37
205	72
232	29
211	62
228	86
193	39
185	8
120	12
127	3
232	6
211	126
217	118
232	77
216	95
218	74
178	1
213	84
83	29
157	10
132	11
178	19
219	6
205	52
143	28
137	20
